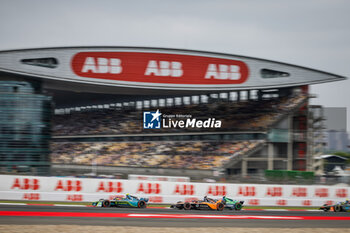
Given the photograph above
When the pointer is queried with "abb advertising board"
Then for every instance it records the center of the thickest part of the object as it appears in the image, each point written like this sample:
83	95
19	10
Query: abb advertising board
88	190
159	68
134	69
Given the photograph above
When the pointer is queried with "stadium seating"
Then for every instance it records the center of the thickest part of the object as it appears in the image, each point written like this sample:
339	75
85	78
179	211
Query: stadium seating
235	116
184	155
203	155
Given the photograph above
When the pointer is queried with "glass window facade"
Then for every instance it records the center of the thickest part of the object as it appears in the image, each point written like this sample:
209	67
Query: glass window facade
24	128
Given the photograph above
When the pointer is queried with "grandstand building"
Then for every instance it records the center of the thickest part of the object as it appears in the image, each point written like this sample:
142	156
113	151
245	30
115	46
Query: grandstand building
81	110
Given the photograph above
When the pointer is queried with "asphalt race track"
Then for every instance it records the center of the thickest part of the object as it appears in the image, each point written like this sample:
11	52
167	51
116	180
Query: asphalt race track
154	217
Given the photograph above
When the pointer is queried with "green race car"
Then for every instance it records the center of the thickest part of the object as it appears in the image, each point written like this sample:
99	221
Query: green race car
338	207
128	201
232	204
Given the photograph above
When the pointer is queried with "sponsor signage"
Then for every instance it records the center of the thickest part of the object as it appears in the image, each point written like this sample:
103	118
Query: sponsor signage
87	189
159	68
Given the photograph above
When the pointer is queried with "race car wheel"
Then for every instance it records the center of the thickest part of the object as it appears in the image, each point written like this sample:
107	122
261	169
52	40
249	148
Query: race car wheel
141	204
337	208
238	206
220	206
106	203
187	206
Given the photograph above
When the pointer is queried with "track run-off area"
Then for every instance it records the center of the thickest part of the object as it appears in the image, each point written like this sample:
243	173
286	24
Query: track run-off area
164	217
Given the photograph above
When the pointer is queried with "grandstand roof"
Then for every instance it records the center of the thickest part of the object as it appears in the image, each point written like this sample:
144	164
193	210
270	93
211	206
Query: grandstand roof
152	71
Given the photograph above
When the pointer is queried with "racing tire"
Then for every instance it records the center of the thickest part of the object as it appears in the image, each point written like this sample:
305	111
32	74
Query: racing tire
141	204
220	206
187	206
337	208
106	203
238	206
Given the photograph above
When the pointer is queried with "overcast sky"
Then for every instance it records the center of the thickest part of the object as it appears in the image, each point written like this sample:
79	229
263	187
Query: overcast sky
312	33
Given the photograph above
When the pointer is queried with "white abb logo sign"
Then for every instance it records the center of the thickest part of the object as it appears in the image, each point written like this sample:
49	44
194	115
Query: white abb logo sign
159	68
102	65
164	68
223	72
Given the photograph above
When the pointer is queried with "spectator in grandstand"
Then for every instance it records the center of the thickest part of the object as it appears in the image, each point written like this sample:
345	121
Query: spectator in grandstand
248	115
188	155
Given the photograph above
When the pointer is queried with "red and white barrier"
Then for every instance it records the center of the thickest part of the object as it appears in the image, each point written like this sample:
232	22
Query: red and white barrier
87	189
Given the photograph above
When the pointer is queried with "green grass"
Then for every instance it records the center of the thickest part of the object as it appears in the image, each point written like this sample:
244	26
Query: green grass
151	205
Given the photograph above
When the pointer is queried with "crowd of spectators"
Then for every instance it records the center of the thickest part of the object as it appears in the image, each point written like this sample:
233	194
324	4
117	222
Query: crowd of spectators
180	154
235	116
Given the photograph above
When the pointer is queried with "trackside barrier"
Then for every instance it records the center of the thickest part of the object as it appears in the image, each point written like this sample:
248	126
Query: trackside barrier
86	189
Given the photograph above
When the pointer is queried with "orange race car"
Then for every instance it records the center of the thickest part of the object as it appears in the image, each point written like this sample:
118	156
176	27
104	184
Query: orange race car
206	204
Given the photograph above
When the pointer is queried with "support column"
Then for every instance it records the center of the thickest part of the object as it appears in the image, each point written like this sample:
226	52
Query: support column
260	95
230	96
309	143
244	168
270	156
290	144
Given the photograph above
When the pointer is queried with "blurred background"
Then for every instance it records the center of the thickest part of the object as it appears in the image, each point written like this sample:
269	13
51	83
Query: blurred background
295	135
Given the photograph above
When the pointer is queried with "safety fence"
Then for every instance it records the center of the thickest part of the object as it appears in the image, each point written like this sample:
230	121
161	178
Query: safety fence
14	187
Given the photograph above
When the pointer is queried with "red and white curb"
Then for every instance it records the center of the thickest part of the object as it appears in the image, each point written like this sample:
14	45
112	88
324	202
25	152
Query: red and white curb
66	205
150	207
175	216
283	210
